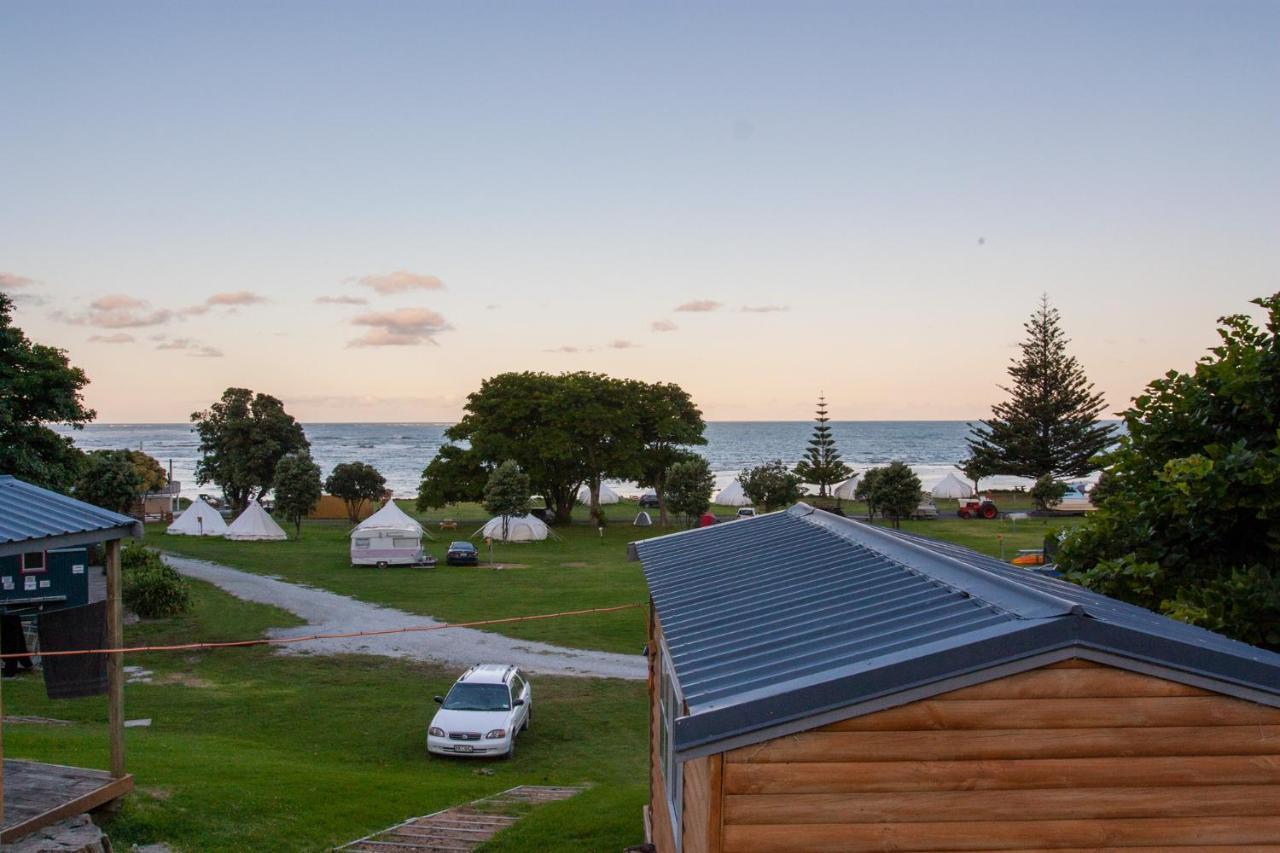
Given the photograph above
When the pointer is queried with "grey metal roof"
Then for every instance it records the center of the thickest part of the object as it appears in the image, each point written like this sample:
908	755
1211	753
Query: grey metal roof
32	518
799	613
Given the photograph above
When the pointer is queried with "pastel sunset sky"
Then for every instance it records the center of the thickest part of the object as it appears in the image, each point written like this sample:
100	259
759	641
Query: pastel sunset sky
365	209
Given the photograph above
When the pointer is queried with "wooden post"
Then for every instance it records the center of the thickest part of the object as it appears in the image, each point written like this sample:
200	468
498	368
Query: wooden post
115	662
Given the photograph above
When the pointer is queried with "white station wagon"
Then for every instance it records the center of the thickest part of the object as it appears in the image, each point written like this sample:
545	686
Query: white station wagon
486	708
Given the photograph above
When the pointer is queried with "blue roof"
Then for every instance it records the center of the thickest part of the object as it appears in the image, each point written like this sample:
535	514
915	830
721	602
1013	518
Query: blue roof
799	613
32	518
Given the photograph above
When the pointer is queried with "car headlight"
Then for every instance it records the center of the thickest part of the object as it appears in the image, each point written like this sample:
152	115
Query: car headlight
435	731
495	734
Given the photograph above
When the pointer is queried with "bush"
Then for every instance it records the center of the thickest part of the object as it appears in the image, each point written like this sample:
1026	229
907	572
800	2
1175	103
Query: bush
1048	492
151	588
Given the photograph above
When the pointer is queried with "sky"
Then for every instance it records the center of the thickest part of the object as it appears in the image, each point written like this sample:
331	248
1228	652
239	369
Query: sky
366	209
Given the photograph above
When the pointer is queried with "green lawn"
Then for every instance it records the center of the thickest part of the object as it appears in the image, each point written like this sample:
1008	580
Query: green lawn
250	750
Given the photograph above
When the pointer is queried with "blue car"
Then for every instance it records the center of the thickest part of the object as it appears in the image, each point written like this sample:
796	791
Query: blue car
461	554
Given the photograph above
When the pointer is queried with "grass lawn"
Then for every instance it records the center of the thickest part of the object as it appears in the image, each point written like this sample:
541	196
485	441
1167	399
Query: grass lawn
250	750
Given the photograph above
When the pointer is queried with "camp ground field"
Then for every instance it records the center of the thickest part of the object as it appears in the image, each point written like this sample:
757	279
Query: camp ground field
251	750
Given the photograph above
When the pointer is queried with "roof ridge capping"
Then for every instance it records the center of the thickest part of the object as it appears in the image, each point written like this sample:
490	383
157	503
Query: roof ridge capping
1006	594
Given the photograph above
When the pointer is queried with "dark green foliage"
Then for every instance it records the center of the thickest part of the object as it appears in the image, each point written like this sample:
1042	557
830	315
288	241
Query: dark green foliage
893	491
1049	424
151	588
149	470
297	488
771	485
1047	491
689	484
110	479
355	483
1189	516
507	491
454	476
975	468
667	422
243	437
1103	489
822	464
38	385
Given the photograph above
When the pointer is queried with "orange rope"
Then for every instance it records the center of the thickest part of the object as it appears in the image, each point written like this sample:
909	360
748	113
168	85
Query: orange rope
267	641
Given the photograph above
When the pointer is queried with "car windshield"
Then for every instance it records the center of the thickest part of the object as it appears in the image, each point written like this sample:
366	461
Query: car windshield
461	546
478	697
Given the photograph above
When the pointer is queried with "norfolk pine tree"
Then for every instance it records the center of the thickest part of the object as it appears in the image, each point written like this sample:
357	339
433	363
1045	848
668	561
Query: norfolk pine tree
822	464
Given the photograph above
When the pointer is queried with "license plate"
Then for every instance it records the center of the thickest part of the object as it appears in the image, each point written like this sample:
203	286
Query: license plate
463	748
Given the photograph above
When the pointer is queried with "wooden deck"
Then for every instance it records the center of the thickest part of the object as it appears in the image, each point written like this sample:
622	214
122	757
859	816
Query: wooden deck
37	795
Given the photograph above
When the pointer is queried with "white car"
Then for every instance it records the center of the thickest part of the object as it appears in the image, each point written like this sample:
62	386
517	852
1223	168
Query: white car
485	709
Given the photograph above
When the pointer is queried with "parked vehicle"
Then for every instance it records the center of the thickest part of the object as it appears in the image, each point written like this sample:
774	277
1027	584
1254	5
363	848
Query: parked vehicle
483	712
461	553
978	508
745	512
927	510
649	500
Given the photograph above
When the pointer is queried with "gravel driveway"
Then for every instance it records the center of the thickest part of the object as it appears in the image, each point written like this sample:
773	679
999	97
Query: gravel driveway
326	612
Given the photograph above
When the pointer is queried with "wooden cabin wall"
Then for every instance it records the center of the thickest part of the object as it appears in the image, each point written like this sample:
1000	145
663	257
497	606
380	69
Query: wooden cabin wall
663	835
1070	756
700	820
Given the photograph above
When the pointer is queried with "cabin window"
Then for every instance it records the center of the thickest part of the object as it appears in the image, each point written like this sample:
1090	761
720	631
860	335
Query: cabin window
33	562
404	542
362	543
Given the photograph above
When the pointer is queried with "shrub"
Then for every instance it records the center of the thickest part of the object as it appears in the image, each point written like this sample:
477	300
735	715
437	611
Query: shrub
151	588
1048	492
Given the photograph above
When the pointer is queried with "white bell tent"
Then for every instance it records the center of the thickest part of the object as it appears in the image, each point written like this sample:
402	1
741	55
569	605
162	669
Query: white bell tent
255	524
846	490
199	519
607	495
519	528
952	486
732	495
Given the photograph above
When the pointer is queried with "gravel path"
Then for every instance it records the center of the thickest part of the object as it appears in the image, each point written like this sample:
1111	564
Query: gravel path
327	612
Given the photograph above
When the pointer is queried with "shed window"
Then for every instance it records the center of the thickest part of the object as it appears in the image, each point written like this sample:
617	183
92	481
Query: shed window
404	542
33	562
362	542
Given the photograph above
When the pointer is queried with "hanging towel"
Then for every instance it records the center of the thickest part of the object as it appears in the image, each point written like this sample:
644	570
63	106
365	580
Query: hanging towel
13	641
74	628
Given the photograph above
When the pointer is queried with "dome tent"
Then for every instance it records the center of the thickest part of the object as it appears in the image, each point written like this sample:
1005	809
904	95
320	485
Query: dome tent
732	495
199	519
846	490
607	495
952	486
519	528
255	524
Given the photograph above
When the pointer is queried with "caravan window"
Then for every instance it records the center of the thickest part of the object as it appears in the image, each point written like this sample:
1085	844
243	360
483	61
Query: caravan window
404	542
362	543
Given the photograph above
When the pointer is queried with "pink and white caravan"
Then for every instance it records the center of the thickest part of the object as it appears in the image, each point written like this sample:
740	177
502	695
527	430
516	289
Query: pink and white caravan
388	538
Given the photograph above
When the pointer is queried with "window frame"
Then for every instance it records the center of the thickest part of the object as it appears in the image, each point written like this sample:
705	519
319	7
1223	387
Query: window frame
672	769
44	563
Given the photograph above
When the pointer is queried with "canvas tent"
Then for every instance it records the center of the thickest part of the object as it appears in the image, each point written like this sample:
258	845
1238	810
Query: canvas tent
388	538
519	528
199	519
846	490
952	486
732	495
607	495
255	524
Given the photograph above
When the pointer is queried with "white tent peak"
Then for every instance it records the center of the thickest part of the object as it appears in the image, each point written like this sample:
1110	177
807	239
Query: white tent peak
255	523
846	490
199	519
732	495
519	528
952	486
607	495
391	517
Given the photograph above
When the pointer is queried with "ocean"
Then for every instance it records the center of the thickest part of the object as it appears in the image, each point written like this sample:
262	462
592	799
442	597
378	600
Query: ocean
401	450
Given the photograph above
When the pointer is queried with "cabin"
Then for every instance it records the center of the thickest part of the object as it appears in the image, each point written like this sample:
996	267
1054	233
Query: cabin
334	508
820	684
40	528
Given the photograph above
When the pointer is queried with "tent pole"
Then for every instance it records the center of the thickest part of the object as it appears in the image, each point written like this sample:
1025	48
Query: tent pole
115	662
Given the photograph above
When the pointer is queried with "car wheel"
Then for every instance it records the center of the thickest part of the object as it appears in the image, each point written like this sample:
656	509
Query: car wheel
528	720
511	750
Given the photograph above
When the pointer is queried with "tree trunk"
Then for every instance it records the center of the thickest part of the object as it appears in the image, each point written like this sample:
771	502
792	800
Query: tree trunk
594	485
661	492
562	499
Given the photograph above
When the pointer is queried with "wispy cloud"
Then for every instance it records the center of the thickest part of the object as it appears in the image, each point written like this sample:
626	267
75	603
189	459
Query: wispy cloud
231	299
117	311
399	281
622	344
193	348
13	281
568	349
341	300
663	326
699	305
399	328
115	338
765	309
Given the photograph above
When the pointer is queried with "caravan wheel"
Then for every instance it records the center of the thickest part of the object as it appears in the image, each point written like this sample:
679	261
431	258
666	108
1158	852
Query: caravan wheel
382	564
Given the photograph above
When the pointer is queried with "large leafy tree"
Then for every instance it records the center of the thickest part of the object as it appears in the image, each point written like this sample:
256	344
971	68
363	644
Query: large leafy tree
38	385
507	493
149	469
598	415
893	490
667	423
771	485
455	475
822	464
1190	521
355	483
297	488
1049	424
689	483
110	479
243	437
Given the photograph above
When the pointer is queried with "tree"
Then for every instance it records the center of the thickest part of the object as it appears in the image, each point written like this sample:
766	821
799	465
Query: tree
507	493
866	490
355	483
243	437
895	491
975	468
667	422
38	385
1047	491
297	488
455	475
1189	523
822	464
771	485
597	414
689	482
109	479
1049	424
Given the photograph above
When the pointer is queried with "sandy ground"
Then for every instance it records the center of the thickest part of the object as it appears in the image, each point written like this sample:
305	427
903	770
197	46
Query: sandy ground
326	612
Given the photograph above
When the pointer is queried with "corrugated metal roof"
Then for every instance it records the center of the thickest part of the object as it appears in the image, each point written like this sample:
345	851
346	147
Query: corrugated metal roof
802	612
31	517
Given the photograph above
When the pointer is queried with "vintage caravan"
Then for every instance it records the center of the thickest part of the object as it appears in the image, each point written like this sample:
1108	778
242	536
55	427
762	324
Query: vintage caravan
388	538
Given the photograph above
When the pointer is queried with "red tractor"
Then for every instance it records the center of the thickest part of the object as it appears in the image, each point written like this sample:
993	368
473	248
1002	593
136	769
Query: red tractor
977	508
